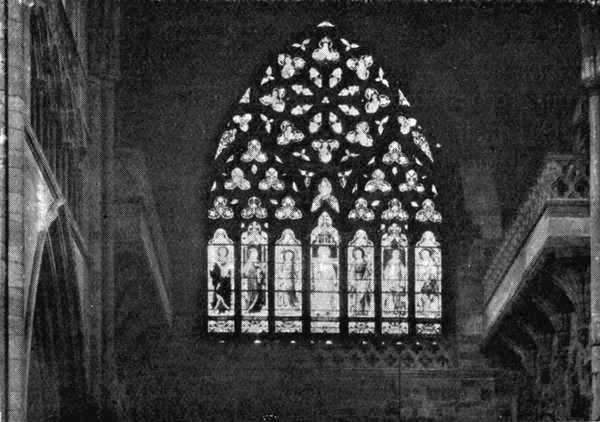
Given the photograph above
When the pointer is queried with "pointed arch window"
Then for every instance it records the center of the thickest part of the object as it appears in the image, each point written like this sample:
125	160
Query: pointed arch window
325	182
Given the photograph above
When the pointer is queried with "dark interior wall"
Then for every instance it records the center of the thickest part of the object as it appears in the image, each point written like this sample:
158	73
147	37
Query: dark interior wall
244	381
494	85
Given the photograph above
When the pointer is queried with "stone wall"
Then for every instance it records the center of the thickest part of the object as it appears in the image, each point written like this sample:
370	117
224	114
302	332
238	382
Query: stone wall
560	376
209	380
482	81
86	233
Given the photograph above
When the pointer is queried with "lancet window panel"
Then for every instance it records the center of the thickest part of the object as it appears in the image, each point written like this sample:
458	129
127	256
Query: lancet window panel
325	276
221	272
288	283
394	281
322	153
428	278
254	283
361	284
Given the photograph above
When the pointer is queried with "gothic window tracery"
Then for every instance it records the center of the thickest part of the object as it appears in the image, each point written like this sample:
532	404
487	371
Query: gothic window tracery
323	156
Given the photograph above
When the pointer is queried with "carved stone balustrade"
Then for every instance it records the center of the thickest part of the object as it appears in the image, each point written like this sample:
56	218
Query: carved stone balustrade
553	219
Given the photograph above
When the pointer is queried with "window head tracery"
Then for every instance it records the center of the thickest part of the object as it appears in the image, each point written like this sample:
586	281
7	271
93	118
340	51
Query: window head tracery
323	143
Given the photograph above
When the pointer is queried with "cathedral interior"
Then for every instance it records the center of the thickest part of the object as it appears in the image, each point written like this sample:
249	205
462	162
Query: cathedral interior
299	211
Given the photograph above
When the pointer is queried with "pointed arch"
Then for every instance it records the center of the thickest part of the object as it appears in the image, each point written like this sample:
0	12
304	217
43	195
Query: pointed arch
324	138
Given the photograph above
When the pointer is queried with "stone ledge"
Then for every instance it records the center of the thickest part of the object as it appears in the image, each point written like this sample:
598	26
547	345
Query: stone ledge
563	225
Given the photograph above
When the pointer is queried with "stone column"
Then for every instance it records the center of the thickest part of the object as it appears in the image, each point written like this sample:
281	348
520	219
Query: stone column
103	74
98	201
590	77
12	139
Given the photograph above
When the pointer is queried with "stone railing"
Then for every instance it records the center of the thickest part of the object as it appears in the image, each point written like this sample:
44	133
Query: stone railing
563	177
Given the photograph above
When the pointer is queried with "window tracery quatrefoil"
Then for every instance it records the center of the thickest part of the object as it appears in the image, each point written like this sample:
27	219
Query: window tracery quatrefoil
324	142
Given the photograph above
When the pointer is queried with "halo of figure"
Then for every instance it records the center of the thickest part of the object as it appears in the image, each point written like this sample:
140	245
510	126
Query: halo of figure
221	274
361	286
288	276
394	278
429	275
255	278
325	279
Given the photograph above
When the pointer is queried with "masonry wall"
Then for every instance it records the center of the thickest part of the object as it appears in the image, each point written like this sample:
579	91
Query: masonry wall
487	84
243	381
494	86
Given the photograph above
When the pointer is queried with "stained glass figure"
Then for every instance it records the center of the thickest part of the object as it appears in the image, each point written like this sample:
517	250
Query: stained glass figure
324	269
361	289
254	272
428	277
288	277
221	267
394	280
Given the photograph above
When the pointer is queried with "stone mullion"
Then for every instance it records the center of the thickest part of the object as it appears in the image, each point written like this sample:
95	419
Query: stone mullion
271	264
412	326
306	257
237	282
377	302
343	283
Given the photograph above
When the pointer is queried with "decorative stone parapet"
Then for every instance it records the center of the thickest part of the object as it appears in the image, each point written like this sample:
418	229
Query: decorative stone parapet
563	177
405	354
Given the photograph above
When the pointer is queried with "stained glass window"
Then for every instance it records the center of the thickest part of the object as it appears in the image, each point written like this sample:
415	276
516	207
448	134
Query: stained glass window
221	269
254	271
324	277
361	284
288	283
394	281
428	277
322	154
